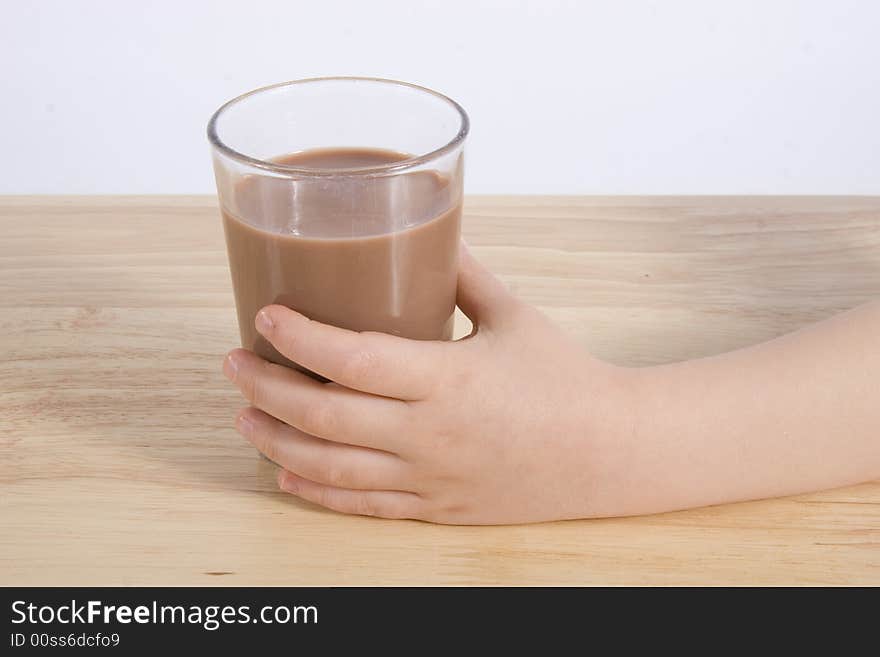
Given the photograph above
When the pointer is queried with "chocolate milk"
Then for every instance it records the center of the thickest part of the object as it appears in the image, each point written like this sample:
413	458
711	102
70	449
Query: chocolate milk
367	253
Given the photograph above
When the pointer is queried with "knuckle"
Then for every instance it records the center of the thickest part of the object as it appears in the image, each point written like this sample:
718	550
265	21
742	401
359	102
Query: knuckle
446	437
319	419
254	385
325	497
361	365
246	383
399	511
444	513
333	475
286	342
259	394
366	505
268	446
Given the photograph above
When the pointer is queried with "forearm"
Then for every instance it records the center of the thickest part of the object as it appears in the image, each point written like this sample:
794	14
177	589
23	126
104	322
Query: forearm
797	413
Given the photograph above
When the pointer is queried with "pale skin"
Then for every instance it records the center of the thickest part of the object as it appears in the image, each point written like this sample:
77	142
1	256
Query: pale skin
518	423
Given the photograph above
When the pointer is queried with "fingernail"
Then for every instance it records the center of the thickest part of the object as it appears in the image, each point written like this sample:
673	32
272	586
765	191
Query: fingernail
264	322
230	367
244	426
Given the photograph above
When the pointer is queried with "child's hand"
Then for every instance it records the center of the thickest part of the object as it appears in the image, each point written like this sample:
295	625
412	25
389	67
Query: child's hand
515	423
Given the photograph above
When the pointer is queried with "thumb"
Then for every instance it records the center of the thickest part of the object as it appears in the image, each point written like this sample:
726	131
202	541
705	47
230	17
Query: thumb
481	296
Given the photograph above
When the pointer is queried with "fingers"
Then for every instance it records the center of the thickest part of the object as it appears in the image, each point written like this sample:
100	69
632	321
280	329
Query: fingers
481	296
371	362
319	460
377	363
380	503
319	409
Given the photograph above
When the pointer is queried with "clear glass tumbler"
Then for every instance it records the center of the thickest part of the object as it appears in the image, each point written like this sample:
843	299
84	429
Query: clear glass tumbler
341	198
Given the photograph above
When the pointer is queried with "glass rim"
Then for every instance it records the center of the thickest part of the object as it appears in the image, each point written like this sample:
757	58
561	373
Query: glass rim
392	167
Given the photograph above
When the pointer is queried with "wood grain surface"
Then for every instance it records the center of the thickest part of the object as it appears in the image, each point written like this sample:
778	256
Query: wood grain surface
119	464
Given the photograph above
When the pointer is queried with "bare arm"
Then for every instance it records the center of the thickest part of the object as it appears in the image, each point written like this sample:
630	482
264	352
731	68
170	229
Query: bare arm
798	413
517	423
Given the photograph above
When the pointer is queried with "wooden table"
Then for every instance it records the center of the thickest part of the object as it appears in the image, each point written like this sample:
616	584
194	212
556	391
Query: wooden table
119	463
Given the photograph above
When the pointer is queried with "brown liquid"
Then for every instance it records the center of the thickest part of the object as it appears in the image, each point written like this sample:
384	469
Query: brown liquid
359	252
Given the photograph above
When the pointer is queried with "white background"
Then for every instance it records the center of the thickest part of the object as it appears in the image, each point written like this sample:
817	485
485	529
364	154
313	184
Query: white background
734	97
